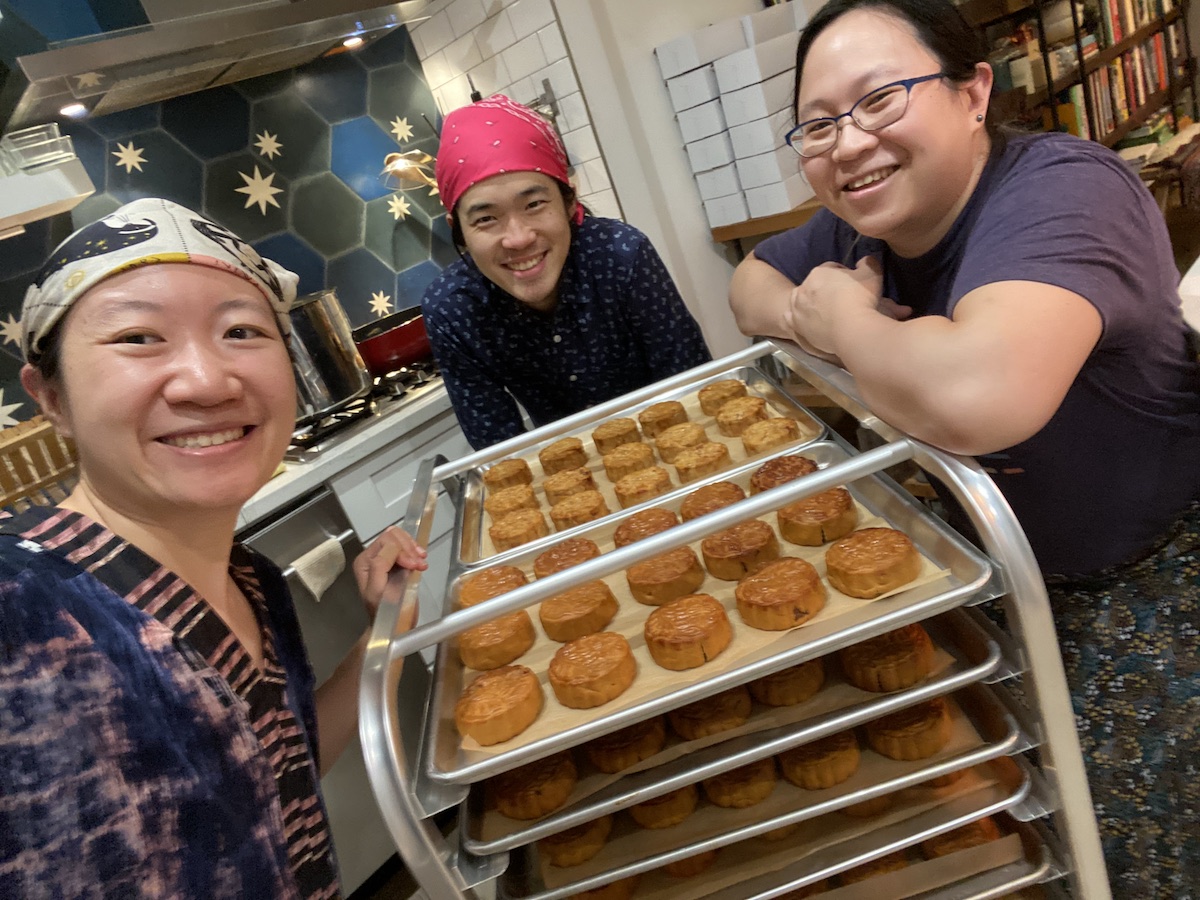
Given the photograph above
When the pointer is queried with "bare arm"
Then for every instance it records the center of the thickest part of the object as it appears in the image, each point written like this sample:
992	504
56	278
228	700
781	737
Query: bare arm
760	296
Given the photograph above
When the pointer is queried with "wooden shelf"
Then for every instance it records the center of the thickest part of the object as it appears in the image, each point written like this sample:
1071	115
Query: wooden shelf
766	225
981	13
1153	104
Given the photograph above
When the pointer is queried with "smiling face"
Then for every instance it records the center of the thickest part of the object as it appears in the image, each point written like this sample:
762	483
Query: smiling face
177	388
517	228
905	183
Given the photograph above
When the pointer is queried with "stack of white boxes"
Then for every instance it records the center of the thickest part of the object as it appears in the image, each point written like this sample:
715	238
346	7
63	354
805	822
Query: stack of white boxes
731	87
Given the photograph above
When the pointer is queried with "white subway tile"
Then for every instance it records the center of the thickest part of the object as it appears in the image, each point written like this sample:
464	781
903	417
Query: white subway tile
495	35
562	78
490	76
521	89
463	55
437	69
435	32
552	43
572	112
528	16
453	94
597	175
465	15
581	145
580	181
603	203
525	57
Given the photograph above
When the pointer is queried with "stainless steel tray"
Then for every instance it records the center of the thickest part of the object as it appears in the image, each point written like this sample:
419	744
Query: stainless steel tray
975	658
474	545
967	573
523	881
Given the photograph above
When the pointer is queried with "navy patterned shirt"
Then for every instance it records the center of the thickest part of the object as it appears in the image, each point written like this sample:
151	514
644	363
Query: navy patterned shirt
619	325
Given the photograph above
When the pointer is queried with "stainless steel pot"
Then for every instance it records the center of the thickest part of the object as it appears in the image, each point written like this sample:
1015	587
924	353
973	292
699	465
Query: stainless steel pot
330	372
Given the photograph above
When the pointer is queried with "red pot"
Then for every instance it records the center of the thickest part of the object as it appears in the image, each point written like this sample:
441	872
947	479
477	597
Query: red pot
393	342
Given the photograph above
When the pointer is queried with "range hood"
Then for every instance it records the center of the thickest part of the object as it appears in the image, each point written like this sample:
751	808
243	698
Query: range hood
214	44
40	176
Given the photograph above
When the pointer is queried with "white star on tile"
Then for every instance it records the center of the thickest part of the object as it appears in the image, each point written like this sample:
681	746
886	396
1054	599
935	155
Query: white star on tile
130	157
398	207
268	145
11	331
401	129
381	303
259	190
6	410
88	80
433	191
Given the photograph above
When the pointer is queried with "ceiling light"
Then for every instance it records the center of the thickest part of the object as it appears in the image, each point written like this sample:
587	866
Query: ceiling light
352	42
74	111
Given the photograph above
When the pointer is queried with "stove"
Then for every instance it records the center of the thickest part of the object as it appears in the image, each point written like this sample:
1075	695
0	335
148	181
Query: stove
388	392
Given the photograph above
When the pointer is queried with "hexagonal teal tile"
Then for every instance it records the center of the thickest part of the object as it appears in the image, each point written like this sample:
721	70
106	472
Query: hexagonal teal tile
266	85
292	253
156	166
398	91
335	87
209	123
251	216
94	208
25	253
398	242
126	122
412	282
327	214
302	134
394	47
358	277
89	147
359	147
442	249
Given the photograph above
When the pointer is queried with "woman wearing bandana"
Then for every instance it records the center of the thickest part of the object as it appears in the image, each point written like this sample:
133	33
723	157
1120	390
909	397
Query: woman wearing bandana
160	728
551	309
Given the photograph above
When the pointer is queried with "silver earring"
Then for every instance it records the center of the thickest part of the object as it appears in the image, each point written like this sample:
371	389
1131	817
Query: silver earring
979	118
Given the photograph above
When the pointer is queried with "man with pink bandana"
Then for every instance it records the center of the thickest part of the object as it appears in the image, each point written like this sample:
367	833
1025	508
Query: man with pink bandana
550	308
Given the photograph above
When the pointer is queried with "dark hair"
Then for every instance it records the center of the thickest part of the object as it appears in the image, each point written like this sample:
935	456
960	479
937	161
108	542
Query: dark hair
48	361
456	232
939	26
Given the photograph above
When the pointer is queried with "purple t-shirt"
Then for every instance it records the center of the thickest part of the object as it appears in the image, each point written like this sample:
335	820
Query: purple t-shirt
1120	459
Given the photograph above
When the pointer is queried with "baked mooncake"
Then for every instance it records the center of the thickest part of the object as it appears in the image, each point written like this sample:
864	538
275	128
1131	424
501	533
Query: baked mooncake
563	555
535	789
692	865
769	434
576	845
712	715
641	486
610	435
889	662
741	550
687	632
583	609
498	642
578	509
507	473
627	459
617	751
642	524
790	686
499	705
490	583
499	504
666	809
716	394
742	787
663	578
781	595
973	834
819	519
780	470
915	732
659	417
893	862
518	528
703	459
710	498
865	809
678	438
561	485
872	561
567	453
823	763
622	889
592	670
736	415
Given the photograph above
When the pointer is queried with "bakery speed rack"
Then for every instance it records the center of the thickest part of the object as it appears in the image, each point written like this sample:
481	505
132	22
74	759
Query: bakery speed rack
1007	688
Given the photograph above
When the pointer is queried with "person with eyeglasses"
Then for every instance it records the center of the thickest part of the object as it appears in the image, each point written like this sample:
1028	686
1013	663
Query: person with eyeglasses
1013	297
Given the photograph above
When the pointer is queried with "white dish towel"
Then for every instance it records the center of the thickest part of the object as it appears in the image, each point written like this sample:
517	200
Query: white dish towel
320	567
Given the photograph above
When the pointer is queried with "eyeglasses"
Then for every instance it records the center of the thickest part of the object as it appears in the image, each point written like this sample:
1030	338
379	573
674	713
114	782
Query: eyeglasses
882	107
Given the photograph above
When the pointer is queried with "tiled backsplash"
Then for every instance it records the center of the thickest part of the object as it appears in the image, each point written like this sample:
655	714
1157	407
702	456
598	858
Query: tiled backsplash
511	47
291	162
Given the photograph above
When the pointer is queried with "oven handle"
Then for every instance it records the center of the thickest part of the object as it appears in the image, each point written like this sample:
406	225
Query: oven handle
344	538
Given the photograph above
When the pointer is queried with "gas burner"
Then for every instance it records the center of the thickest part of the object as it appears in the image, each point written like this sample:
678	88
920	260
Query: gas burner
307	439
397	383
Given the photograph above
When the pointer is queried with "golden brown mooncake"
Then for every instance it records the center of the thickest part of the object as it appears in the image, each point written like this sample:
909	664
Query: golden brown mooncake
822	763
893	862
790	686
561	485
865	809
691	866
687	632
661	579
610	435
489	583
621	889
973	834
759	437
666	809
819	519
578	509
535	789
781	595
736	415
499	705
703	459
716	394
627	459
617	751
518	528
710	498
644	523
507	473
915	732
742	787
592	670
576	845
712	715
890	661
678	438
659	417
563	555
780	470
740	550
583	609
871	562
496	643
643	485
566	453
499	504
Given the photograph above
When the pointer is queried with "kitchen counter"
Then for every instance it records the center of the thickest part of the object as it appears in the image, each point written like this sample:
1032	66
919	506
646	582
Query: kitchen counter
392	421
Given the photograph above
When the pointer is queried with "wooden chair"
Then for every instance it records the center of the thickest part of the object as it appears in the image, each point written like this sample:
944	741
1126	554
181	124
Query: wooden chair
37	465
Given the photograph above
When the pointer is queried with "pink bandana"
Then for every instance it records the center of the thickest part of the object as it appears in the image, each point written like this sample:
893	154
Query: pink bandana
492	137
